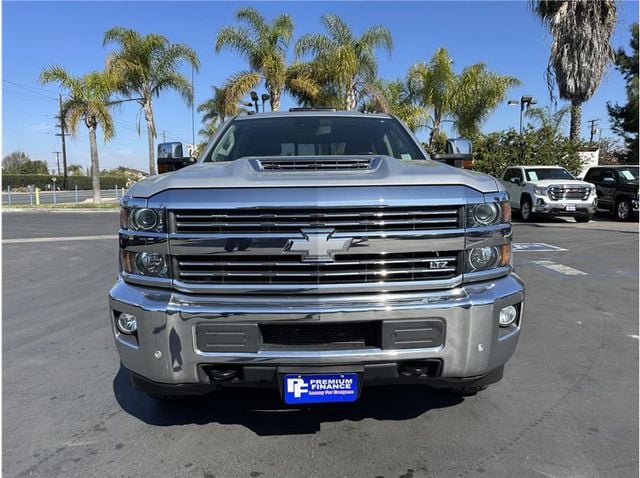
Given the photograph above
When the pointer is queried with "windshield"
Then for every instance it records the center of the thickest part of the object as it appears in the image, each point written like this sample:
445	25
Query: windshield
314	136
628	174
540	174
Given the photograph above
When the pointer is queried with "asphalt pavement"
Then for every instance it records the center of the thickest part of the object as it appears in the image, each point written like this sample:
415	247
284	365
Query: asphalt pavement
567	406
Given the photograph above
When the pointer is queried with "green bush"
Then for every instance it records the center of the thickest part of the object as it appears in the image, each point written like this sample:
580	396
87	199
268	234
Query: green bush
42	181
494	152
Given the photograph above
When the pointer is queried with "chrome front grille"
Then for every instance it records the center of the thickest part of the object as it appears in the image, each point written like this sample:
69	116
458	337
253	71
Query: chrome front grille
292	220
290	269
557	193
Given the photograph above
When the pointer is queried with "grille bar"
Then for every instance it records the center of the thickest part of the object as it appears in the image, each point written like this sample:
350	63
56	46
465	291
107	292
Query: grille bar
556	193
340	219
238	269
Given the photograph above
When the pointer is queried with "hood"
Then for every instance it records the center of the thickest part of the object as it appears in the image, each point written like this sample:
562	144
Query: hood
243	173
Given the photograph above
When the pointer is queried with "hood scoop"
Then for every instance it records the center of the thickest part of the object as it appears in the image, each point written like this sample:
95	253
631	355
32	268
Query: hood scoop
310	164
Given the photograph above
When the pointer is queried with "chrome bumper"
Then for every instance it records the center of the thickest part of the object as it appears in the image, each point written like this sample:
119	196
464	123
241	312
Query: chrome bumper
559	208
165	349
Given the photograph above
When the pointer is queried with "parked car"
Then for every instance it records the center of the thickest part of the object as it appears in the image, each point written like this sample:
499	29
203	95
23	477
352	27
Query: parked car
314	251
550	191
617	189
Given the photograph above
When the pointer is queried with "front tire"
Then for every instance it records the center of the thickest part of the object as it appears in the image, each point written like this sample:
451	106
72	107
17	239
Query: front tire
623	209
526	210
583	218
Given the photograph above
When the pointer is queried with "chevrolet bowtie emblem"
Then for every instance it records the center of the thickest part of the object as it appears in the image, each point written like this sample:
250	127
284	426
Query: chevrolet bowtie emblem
318	245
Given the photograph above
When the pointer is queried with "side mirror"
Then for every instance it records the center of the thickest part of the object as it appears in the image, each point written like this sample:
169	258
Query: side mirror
171	157
515	180
459	146
458	153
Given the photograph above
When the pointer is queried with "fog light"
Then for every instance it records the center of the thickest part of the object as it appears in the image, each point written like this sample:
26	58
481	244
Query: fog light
151	264
508	316
127	323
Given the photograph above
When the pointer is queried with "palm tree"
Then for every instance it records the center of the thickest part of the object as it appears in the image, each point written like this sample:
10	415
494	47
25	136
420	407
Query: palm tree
216	110
264	45
344	65
548	119
465	99
145	66
393	97
89	100
580	50
478	92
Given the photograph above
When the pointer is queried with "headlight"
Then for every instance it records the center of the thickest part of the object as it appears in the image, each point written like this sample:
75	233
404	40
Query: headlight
145	263
488	257
143	219
481	258
540	191
488	213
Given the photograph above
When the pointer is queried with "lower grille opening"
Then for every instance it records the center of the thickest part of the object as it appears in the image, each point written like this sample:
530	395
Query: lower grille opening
352	335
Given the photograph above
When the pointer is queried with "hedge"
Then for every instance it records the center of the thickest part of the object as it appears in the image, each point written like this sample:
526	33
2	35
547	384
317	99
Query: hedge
43	181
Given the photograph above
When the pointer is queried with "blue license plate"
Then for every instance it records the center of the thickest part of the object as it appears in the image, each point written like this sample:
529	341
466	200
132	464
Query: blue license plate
320	388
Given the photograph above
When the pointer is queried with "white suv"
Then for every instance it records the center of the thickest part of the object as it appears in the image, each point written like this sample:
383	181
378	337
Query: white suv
549	190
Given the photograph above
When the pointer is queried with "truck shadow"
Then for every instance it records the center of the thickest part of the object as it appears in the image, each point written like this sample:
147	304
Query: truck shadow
262	411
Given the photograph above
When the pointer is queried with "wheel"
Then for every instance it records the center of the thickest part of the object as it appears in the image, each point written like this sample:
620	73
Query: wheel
526	210
583	218
623	210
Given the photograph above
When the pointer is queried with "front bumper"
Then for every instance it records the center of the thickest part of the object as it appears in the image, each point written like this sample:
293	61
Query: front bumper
164	348
543	205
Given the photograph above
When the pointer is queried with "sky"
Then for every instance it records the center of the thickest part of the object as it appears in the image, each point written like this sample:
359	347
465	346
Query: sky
503	34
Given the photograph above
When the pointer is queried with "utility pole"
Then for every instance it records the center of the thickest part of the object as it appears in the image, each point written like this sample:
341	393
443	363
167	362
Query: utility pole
594	123
164	136
57	153
62	135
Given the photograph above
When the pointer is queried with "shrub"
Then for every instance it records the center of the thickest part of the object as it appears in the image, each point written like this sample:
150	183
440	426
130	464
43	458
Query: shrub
43	181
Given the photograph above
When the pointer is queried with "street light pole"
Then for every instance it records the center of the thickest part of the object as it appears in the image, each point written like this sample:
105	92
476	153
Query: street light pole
525	102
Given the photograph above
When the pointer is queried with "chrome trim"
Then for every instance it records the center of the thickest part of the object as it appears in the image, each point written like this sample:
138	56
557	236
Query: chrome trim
327	197
146	280
194	288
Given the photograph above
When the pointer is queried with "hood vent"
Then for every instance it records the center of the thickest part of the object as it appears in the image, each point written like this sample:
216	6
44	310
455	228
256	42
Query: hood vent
316	164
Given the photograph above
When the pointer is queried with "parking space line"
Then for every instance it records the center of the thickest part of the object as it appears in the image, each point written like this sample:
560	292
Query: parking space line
58	239
562	269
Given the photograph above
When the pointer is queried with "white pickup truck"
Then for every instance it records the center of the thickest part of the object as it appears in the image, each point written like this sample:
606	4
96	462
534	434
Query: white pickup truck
549	190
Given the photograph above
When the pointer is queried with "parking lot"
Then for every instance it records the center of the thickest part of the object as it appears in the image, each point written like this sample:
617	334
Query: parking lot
567	406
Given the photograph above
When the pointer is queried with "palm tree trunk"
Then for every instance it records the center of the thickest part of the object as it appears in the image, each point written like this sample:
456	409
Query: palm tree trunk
351	98
435	130
151	133
95	167
576	121
274	100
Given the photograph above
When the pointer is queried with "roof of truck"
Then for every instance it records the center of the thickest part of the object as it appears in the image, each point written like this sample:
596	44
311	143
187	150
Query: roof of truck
311	112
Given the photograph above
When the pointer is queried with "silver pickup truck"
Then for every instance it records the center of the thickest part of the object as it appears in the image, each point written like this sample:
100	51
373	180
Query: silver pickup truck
316	252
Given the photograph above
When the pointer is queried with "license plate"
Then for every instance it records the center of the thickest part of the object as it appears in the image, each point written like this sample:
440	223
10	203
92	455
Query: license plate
570	207
320	388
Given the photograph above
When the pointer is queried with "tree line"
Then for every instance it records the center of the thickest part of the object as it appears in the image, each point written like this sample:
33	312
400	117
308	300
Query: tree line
339	68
